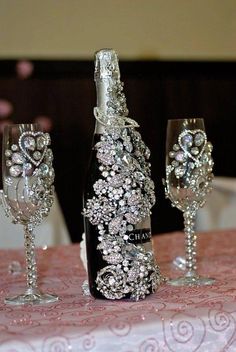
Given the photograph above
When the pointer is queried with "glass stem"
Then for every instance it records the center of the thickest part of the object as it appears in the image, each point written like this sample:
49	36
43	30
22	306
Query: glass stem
31	268
190	242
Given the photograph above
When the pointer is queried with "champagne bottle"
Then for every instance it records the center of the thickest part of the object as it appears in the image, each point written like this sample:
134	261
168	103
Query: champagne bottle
118	196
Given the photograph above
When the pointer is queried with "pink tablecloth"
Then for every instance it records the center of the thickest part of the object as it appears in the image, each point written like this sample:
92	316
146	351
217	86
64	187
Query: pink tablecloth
172	319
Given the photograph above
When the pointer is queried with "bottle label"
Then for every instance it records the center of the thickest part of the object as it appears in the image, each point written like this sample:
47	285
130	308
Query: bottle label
139	236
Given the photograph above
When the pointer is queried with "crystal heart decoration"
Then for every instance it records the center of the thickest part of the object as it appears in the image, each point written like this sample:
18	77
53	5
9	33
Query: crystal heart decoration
34	146
193	143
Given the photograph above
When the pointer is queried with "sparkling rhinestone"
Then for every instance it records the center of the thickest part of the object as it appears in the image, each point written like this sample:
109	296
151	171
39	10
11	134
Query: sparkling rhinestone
176	147
209	147
171	154
199	139
130	227
28	166
49	155
17	158
179	171
195	150
187	140
179	156
14	147
139	176
15	170
29	143
9	163
127	159
48	138
8	181
111	281
8	153
44	169
41	142
175	163
37	155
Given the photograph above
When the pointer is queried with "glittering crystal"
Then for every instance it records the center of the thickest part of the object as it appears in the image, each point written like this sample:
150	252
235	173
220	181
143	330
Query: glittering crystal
187	140
17	158
15	170
49	154
127	159
130	227
111	281
44	169
129	147
28	166
28	169
176	147
131	218
179	156
8	181
41	142
117	180
147	153
9	163
29	143
47	138
195	151
175	163
209	147
133	274
8	153
199	139
171	154
14	147
37	155
113	258
139	176
115	225
180	171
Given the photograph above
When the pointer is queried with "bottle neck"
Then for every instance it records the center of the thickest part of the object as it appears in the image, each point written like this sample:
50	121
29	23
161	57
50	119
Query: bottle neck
102	87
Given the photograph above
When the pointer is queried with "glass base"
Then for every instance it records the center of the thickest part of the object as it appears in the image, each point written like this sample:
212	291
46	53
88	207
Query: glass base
191	281
31	297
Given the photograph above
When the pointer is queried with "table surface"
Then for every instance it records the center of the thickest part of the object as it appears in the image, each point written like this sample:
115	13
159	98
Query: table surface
173	319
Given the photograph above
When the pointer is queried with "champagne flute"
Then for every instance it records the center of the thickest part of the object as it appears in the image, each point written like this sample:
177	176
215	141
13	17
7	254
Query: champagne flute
188	181
28	194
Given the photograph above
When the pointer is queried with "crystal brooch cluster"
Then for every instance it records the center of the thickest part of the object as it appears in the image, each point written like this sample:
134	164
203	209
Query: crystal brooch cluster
124	196
192	163
31	159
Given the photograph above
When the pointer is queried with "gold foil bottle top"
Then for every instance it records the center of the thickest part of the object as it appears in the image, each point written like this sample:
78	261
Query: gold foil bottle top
106	65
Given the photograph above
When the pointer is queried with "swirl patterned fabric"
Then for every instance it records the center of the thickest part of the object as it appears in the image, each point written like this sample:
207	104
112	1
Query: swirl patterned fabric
174	319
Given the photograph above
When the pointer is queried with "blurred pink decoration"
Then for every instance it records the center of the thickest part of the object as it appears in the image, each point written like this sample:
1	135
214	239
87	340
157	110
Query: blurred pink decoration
3	124
6	108
24	69
45	122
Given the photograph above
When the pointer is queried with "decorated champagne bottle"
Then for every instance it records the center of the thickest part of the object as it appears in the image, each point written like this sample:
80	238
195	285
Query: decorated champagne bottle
118	196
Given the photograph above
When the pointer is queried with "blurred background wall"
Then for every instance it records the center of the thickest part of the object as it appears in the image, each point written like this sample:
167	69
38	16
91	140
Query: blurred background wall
177	59
137	29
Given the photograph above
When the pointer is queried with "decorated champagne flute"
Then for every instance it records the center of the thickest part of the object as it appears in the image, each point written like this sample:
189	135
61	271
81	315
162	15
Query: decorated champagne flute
28	194
189	177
